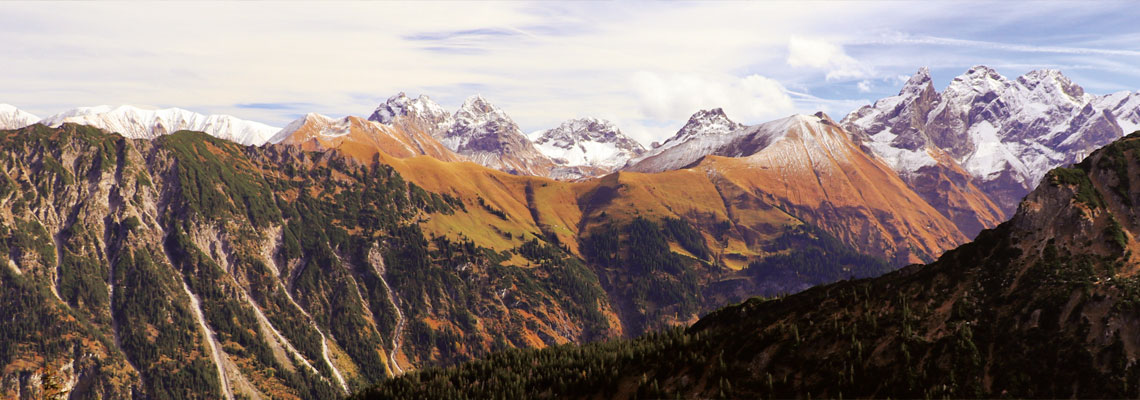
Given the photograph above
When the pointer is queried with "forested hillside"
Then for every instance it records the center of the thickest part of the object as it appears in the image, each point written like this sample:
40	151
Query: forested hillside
193	267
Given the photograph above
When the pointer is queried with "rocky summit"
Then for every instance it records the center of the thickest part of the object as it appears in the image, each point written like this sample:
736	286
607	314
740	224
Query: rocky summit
589	144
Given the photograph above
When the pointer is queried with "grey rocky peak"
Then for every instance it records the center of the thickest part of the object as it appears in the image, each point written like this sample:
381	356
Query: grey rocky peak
581	129
421	112
487	135
395	105
705	132
898	119
479	125
478	130
918	83
476	105
577	131
710	122
589	142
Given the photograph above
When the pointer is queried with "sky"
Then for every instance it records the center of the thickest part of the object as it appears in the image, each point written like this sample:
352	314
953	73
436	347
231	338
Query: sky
647	66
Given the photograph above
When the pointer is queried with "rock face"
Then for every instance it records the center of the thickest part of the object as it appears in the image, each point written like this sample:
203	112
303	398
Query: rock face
189	266
588	143
138	123
1005	134
894	129
1043	305
486	135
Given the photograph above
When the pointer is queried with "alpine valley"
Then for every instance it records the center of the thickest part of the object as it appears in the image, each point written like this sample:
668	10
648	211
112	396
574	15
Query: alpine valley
444	254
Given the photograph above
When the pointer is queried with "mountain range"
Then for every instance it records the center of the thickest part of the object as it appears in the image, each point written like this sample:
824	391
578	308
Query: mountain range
940	145
340	252
1004	134
137	123
1043	306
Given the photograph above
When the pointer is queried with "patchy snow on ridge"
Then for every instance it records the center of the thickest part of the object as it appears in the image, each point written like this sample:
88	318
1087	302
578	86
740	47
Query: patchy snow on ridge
1125	106
486	135
324	126
991	157
477	119
138	123
587	142
901	160
704	133
743	141
15	118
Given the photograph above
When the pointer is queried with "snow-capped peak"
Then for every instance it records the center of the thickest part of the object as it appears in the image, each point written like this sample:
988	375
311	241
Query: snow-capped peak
1040	75
917	82
477	105
485	134
139	123
422	111
979	79
589	142
743	141
402	105
595	129
395	105
1005	133
478	117
706	131
712	122
15	118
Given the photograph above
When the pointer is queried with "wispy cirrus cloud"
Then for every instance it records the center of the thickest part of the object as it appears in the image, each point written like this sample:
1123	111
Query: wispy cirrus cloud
273	106
902	38
467	41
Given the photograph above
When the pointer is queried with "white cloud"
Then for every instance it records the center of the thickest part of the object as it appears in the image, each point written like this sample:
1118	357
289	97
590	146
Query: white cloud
753	98
864	86
820	54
